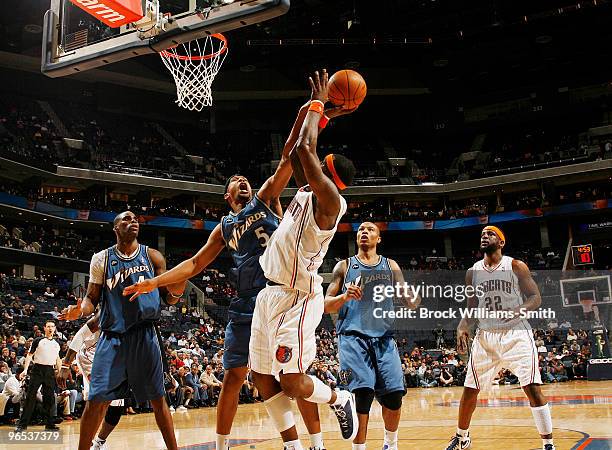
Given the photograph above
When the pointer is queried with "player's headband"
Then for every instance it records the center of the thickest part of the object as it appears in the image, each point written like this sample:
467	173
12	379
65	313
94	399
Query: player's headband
329	162
495	230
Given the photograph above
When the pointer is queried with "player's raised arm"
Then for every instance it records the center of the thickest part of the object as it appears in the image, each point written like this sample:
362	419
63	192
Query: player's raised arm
304	155
466	323
532	298
407	295
274	185
185	270
333	300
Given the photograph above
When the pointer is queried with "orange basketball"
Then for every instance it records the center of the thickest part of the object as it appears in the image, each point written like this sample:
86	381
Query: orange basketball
347	87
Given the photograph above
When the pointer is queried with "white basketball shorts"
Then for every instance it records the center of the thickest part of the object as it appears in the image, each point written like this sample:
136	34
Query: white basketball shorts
508	349
283	330
85	368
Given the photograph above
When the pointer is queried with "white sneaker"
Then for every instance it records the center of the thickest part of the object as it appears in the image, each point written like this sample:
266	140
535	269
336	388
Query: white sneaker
181	409
346	413
95	445
172	409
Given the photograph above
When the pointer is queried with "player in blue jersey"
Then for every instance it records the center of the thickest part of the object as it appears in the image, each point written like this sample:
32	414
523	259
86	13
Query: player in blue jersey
245	232
369	358
128	355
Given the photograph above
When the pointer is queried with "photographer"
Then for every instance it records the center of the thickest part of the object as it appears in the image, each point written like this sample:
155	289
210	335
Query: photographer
44	353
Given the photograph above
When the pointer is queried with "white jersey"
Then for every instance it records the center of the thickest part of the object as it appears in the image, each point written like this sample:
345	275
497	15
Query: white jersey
501	292
85	356
296	249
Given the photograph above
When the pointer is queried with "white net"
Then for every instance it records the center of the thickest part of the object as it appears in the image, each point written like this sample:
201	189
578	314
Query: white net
194	66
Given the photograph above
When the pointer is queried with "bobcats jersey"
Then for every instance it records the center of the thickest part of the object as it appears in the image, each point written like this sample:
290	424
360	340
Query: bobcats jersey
117	313
297	248
246	235
500	292
86	354
358	316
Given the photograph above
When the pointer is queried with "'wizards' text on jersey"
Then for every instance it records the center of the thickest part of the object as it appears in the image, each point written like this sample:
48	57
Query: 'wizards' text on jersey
117	313
246	235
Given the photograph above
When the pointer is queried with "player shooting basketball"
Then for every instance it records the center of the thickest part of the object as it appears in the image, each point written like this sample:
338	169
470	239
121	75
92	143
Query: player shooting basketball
245	232
289	309
505	342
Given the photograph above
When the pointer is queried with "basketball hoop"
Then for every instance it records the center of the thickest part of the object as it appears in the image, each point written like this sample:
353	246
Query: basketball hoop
194	69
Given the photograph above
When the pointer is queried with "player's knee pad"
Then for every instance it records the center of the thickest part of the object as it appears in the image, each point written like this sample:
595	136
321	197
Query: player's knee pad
392	400
363	400
113	414
280	411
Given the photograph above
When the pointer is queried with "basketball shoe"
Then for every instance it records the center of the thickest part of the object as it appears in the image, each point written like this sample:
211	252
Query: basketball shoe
460	443
549	447
97	445
346	414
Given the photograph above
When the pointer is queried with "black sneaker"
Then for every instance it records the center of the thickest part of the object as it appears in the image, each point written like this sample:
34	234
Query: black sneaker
19	429
459	443
51	427
549	447
346	415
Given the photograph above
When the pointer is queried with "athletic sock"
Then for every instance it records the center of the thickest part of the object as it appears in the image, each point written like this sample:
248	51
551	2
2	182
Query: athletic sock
321	393
100	440
222	442
293	445
359	447
316	440
391	438
547	441
462	433
542	419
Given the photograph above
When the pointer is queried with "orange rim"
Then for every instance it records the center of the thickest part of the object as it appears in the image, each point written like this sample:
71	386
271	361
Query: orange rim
222	50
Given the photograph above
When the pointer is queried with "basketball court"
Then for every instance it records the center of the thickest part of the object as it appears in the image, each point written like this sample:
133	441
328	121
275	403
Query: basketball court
582	415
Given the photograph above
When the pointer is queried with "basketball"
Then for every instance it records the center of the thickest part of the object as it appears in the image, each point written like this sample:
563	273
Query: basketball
347	87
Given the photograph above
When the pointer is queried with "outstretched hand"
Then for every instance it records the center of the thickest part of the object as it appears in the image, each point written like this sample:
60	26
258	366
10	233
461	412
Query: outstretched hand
319	85
72	312
142	287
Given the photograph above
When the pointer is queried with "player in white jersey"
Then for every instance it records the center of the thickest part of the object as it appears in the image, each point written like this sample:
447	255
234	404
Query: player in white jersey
288	310
505	291
83	348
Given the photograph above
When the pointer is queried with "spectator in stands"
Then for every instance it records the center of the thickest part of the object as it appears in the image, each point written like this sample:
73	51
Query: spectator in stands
200	393
213	384
445	379
11	396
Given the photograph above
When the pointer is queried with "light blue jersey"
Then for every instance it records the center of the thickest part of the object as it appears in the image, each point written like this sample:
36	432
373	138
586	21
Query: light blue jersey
359	316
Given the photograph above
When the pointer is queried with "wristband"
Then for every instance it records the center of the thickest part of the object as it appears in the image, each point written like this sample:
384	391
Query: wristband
323	122
64	366
317	106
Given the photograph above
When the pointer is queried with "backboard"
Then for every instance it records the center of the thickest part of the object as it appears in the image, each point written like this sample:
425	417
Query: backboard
74	40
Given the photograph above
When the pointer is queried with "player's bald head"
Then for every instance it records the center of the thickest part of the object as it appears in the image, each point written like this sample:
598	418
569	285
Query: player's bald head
119	217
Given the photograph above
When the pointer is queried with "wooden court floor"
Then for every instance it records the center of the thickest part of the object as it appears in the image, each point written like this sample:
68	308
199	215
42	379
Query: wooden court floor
582	415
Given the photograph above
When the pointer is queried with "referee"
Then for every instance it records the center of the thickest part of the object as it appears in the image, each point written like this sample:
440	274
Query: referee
44	352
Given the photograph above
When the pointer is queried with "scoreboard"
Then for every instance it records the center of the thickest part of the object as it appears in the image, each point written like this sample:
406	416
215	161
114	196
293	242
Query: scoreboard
582	255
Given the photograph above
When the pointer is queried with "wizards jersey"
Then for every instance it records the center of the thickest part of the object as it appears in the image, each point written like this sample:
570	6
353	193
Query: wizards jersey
117	313
246	236
359	316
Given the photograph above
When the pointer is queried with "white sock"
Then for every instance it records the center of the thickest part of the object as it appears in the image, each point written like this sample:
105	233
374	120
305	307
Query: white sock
322	393
542	418
391	438
316	440
99	440
462	433
359	447
547	441
222	442
295	445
